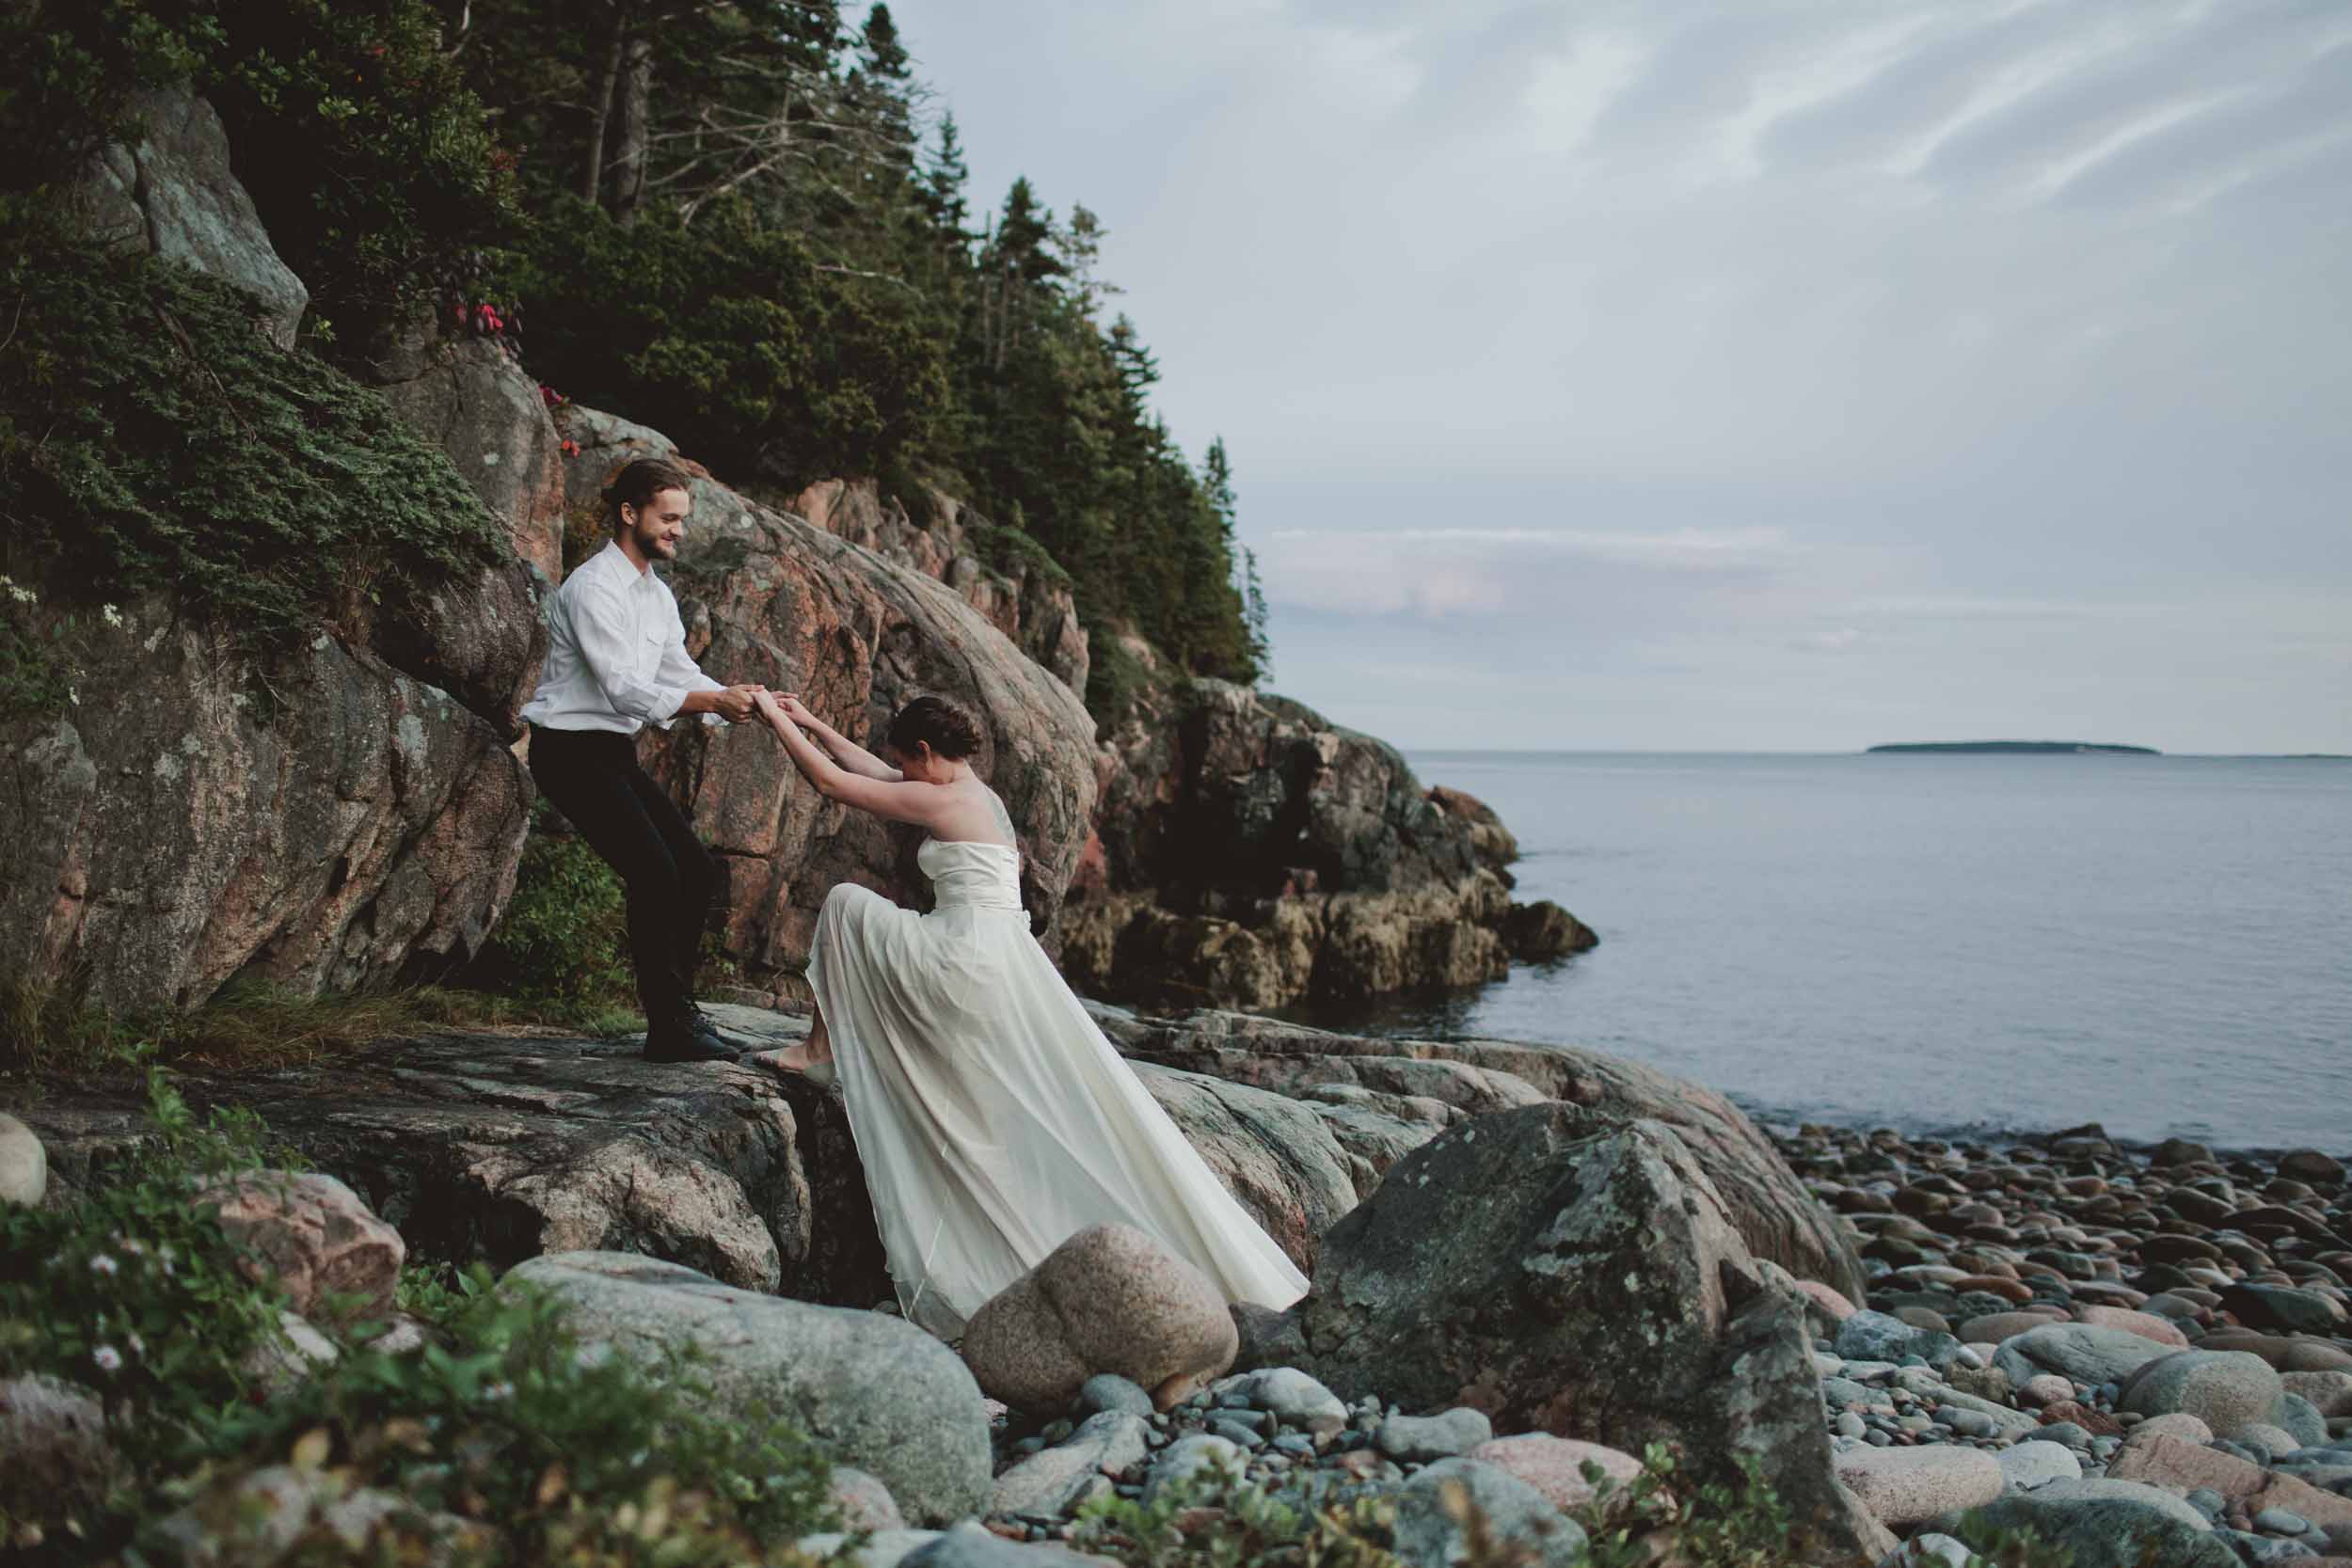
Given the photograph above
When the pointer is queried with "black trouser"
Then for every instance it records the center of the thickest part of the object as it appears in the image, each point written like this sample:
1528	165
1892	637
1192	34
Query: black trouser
592	777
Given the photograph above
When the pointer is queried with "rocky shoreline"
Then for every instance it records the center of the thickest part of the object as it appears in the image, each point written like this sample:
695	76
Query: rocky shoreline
1524	1259
2121	1346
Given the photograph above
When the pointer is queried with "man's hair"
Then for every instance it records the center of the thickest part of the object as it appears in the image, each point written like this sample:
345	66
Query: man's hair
946	728
638	484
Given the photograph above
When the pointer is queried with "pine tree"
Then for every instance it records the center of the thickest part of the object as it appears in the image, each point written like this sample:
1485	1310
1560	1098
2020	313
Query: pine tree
943	179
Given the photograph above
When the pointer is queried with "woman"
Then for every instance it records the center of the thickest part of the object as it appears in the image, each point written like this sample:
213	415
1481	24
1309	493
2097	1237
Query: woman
993	1118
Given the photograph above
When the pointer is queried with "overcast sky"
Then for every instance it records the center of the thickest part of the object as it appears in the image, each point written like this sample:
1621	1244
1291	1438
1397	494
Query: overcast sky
1760	376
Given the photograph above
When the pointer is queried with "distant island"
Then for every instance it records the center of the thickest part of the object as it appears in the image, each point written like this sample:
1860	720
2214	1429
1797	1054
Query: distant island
2032	746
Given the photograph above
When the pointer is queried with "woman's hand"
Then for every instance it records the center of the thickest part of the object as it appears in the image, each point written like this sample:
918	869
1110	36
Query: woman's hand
766	703
796	710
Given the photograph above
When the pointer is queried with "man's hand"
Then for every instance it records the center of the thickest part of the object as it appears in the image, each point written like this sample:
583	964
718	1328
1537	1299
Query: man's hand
737	703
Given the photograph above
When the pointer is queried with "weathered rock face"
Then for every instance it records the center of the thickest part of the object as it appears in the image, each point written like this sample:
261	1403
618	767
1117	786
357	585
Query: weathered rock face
170	194
771	598
489	416
1248	851
1776	1218
1569	1274
311	1234
179	834
1030	604
54	1458
503	1145
1277	1156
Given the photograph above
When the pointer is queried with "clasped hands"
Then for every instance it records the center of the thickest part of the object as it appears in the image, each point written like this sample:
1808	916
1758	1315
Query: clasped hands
735	704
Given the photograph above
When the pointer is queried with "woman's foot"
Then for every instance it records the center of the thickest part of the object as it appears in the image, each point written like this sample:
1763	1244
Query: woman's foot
799	1061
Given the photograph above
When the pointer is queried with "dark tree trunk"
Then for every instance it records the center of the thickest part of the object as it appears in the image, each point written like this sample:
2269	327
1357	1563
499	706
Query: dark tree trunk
635	94
591	176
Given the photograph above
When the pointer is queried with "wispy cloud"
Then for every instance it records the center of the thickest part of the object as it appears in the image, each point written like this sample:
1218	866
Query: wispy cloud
1995	347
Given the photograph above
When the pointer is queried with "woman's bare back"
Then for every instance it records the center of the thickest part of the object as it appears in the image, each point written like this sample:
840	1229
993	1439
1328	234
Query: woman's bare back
974	815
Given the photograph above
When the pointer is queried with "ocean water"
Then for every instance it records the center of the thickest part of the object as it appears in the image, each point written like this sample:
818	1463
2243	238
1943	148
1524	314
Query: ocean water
1941	943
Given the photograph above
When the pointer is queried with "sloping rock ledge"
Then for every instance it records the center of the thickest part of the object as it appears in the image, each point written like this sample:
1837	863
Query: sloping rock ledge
501	1145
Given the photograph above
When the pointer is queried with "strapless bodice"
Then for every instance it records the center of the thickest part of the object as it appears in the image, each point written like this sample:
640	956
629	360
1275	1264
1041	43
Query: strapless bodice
971	876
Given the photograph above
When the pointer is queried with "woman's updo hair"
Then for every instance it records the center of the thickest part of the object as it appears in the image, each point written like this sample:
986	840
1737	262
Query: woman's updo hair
946	728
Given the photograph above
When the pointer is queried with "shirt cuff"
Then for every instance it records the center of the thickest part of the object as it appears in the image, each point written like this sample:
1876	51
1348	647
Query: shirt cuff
667	700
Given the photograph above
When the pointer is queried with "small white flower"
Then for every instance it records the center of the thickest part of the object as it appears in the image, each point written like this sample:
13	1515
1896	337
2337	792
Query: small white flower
498	1391
113	617
17	590
103	1264
138	1346
108	1358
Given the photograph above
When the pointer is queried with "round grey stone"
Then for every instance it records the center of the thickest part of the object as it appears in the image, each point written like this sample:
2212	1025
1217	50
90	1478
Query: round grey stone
1109	1391
2225	1390
2110	1523
1428	1535
1294	1397
1188	1457
1447	1435
2036	1463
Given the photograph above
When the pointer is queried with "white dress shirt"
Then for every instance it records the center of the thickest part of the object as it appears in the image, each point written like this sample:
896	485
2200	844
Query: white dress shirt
616	652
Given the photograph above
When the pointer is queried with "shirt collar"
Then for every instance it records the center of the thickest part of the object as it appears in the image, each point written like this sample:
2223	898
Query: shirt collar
620	565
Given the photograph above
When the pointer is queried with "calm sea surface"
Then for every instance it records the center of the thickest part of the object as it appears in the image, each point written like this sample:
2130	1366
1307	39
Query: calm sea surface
2162	944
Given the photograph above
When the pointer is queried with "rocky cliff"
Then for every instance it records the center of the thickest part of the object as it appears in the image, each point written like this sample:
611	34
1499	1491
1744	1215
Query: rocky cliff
334	814
1249	852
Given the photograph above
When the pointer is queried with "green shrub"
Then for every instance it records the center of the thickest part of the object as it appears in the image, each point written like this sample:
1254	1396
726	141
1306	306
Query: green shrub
565	1455
151	438
568	1453
137	1295
564	939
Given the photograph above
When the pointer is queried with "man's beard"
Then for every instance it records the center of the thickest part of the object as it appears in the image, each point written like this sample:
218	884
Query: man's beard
654	545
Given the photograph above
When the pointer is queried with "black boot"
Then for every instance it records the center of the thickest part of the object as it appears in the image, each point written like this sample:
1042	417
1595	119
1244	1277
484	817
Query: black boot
677	1039
698	1024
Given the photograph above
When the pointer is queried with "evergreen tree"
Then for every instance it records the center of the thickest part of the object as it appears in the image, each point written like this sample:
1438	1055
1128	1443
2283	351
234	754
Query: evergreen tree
943	180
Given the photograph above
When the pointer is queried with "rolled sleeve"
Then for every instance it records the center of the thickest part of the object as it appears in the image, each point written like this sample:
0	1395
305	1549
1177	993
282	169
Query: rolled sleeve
606	633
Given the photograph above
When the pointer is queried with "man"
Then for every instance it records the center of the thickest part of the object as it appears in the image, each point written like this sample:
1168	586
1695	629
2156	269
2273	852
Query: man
616	662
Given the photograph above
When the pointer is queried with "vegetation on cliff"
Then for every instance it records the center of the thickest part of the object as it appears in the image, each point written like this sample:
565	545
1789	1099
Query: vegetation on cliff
152	439
742	234
735	220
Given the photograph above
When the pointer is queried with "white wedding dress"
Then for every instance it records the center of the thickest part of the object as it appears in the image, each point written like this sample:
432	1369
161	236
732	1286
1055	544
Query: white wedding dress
992	1116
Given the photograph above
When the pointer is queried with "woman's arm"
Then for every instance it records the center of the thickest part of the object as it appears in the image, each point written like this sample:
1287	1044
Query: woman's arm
893	799
848	752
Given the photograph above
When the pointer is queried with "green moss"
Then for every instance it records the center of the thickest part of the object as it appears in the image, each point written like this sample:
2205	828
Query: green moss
151	438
